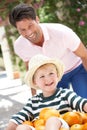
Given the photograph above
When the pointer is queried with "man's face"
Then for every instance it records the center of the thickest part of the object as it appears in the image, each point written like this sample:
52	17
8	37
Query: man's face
30	29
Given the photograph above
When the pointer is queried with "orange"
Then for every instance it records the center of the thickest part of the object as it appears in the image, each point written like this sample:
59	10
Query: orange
84	117
84	126
28	123
76	127
72	118
40	127
63	129
48	112
61	116
38	122
44	110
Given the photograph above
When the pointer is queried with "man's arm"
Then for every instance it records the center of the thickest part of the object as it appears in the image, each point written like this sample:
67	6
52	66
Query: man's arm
11	126
33	91
26	65
82	53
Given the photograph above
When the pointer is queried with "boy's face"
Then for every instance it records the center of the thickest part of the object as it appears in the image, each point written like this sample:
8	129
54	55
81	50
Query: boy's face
46	79
30	29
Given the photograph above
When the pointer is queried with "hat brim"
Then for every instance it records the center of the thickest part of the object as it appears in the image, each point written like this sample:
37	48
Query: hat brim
29	75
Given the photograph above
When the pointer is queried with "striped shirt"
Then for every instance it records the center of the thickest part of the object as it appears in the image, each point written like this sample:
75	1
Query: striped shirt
63	100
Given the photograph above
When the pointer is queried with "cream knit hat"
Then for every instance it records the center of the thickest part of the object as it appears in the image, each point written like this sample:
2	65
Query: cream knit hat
37	61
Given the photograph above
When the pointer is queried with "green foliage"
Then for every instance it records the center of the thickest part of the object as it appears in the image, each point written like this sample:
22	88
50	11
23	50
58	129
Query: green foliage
77	18
46	10
72	13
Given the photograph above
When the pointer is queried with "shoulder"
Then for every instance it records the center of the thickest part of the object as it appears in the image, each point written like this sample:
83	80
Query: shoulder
57	29
55	26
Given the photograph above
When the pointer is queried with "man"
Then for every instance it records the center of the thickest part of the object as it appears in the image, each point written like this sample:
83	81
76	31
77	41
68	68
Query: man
53	40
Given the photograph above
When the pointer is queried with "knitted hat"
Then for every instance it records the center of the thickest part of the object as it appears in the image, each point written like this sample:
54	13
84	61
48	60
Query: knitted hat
36	62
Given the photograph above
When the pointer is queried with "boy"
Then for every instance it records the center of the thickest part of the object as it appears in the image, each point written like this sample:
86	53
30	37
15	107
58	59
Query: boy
44	74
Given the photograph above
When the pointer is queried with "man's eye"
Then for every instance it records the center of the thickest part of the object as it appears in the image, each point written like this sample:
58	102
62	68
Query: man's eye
22	31
30	26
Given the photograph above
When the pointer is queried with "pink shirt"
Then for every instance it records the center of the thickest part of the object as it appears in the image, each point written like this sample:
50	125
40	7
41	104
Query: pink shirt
59	42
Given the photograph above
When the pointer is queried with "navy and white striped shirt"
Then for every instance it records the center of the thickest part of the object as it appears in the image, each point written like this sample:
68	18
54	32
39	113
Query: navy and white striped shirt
63	100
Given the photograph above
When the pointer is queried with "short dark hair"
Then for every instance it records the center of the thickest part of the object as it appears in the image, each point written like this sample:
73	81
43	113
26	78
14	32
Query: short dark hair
20	12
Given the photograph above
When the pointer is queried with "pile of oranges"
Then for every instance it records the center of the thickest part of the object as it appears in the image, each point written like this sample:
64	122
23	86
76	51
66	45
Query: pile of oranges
76	120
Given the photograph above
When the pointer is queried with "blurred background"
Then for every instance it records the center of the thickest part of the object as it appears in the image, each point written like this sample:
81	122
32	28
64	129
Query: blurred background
13	92
72	13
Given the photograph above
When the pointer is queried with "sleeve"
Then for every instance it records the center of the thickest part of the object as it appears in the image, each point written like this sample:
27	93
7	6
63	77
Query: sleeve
72	41
76	102
24	114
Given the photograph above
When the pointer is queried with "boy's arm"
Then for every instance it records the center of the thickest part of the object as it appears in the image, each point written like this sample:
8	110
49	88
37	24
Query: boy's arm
85	107
11	126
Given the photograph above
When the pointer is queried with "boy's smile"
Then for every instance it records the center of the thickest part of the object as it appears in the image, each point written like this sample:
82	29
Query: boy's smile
46	79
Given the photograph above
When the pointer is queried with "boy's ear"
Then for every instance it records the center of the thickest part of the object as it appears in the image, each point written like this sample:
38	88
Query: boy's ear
37	19
34	82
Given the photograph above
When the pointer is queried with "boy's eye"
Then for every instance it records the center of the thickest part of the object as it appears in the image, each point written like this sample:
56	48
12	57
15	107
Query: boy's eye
42	76
51	73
